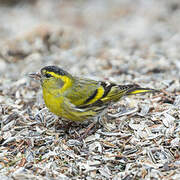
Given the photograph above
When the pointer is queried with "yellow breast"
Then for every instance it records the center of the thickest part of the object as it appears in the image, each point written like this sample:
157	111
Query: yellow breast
52	102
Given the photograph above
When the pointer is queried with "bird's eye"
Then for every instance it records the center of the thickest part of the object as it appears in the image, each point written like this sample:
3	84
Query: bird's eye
48	75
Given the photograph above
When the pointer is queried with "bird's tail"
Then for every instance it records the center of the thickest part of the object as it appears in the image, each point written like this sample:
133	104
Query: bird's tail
138	90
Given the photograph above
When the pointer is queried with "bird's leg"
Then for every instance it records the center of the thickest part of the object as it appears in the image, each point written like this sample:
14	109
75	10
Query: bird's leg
89	128
66	125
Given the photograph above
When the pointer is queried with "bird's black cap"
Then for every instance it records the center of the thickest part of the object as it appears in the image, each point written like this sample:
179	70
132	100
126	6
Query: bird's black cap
54	69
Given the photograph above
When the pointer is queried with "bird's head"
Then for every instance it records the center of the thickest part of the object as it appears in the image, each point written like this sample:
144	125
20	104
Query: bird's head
53	77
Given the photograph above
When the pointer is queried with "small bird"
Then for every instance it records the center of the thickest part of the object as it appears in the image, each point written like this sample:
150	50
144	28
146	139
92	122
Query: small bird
78	99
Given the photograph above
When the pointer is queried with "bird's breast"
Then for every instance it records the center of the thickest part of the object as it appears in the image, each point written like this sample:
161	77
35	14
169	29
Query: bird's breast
53	102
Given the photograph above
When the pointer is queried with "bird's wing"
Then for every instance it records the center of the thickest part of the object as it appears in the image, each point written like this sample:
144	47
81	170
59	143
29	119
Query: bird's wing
84	91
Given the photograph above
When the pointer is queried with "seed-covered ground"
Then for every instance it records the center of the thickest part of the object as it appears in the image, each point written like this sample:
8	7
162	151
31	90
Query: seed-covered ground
122	41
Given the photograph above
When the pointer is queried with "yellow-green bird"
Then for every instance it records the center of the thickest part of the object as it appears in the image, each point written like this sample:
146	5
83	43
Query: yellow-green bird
79	99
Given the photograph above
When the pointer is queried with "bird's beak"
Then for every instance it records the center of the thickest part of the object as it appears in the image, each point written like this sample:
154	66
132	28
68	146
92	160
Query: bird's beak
36	75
